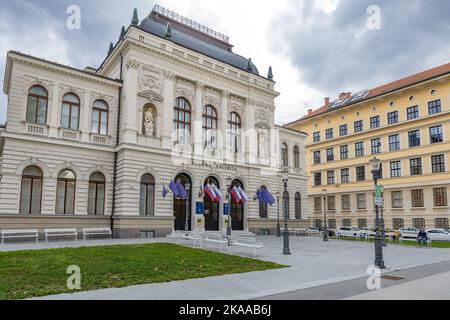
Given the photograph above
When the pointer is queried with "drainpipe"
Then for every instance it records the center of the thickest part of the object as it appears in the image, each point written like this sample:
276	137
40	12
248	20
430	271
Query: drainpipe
116	153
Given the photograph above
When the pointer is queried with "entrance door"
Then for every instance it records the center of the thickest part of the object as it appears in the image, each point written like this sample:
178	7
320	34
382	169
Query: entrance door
237	210
211	208
183	207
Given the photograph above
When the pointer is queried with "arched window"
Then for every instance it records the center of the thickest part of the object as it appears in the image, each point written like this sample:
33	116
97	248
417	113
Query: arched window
96	195
31	190
284	155
100	115
70	112
296	157
65	192
209	127
286	204
234	126
263	208
147	196
182	120
37	105
298	206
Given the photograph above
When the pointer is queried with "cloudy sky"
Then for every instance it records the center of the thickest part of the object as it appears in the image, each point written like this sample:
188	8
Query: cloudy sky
317	48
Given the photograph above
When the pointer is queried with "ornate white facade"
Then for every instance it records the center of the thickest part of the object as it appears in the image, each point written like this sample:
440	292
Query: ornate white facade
140	82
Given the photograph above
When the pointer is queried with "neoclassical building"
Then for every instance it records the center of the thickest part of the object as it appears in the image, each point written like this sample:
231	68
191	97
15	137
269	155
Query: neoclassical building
171	101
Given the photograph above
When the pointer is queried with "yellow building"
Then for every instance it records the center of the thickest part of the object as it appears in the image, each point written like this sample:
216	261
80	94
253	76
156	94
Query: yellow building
405	124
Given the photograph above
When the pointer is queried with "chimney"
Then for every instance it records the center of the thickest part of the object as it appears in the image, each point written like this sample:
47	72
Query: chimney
327	101
310	111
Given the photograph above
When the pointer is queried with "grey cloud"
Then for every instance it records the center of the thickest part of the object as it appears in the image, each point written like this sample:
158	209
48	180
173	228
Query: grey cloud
336	52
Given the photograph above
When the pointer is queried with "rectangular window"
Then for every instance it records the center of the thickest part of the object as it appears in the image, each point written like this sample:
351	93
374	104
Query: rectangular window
344	152
345	202
412	113
347	223
398	223
359	126
397	199
417	198
438	163
414	138
361	201
393	117
436	135
376	146
360	173
375	122
330	154
415	166
317	157
434	107
331	203
394	142
419	223
440	197
318	179
330	177
329	134
318	204
316	137
441	223
362	223
345	175
332	224
396	169
359	149
343	130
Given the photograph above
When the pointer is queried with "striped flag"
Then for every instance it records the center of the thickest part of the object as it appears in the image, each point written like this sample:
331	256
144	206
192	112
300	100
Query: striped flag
219	195
235	193
243	195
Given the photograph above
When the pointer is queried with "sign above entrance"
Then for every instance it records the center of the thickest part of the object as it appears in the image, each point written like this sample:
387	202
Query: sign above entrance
204	164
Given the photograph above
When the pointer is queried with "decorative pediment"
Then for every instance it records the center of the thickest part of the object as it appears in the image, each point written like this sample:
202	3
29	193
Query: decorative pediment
185	89
151	96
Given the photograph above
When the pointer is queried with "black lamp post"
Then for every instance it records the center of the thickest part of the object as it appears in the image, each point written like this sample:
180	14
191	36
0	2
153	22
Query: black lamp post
379	262
285	178
278	215
186	224
229	186
325	228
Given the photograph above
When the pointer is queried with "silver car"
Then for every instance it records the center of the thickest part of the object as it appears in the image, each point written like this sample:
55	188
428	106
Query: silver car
409	232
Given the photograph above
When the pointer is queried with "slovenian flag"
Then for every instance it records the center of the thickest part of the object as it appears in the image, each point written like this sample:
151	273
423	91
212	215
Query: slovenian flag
219	195
210	192
243	195
235	193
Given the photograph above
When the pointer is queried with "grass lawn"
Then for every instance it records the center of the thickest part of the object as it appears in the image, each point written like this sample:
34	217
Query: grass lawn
434	244
25	274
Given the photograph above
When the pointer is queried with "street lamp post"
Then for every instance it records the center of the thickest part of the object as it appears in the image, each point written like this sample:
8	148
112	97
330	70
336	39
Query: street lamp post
379	262
186	223
286	251
325	229
278	215
229	186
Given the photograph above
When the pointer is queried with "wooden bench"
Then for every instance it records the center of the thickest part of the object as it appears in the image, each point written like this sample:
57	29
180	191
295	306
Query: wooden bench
246	243
20	234
96	232
60	233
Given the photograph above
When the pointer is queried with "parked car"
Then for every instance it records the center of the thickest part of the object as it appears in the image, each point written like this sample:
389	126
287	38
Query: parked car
438	235
351	232
331	232
409	232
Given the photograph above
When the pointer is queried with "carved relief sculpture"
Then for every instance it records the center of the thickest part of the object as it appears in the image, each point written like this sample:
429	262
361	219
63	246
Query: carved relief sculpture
149	121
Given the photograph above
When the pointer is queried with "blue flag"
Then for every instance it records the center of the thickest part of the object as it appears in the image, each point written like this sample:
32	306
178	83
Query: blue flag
181	190
164	191
174	189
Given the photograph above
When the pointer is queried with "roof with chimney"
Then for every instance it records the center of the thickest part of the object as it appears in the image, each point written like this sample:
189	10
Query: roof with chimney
347	99
194	36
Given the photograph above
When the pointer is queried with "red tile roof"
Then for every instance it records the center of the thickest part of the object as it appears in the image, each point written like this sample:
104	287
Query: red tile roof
387	88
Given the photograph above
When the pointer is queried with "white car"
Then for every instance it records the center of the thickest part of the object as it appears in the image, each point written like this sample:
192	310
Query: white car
409	232
351	232
438	235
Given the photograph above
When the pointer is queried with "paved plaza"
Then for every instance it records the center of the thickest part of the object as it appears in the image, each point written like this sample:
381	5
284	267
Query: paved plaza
337	267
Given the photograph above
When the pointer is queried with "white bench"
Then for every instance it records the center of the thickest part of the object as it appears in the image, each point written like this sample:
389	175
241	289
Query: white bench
96	232
214	238
20	234
403	239
61	233
186	235
246	242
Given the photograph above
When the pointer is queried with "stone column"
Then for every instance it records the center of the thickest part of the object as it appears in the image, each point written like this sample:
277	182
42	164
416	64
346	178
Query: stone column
223	124
130	101
85	125
167	113
53	112
251	143
196	129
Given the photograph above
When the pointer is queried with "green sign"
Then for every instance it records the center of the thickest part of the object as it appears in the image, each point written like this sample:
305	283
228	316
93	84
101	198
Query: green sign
378	191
